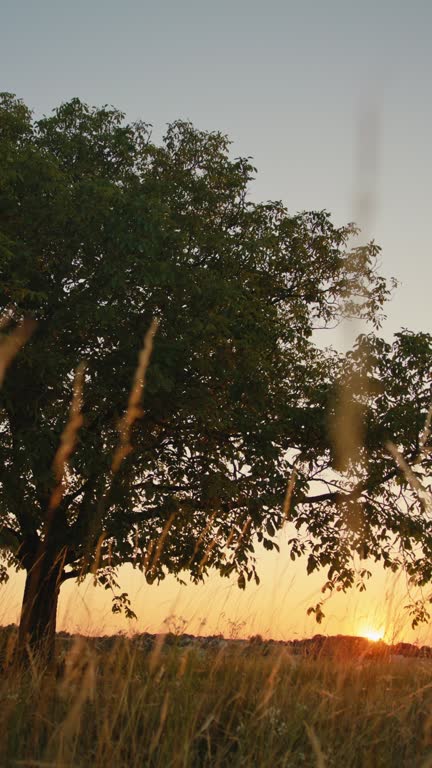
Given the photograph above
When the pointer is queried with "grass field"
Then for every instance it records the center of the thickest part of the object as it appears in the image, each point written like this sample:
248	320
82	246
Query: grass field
116	704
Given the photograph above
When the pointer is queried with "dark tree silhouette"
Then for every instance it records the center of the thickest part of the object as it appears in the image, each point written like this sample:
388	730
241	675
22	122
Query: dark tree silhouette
102	232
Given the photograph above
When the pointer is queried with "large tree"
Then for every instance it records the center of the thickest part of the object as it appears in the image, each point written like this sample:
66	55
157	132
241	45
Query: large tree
102	232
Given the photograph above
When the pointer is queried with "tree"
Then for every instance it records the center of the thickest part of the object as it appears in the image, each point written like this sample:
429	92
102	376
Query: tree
103	232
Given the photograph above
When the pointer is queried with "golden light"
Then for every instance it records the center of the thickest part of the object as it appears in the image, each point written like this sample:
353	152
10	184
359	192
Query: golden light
373	634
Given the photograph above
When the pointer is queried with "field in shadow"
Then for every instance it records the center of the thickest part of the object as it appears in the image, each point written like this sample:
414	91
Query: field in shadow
177	701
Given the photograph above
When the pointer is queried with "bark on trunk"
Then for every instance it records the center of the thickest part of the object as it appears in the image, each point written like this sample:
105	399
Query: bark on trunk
36	634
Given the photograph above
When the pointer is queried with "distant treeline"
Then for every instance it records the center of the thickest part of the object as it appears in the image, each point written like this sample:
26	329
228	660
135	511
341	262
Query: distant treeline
335	646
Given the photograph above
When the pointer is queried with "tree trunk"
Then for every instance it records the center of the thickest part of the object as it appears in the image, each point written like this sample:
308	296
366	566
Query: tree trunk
36	634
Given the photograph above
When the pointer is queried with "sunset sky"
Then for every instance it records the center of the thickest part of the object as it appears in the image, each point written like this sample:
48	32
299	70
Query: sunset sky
333	102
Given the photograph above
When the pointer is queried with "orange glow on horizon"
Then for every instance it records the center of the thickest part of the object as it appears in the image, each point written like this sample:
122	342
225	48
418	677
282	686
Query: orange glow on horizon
372	634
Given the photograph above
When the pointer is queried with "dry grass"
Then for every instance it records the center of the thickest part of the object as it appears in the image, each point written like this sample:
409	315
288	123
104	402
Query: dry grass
175	707
11	343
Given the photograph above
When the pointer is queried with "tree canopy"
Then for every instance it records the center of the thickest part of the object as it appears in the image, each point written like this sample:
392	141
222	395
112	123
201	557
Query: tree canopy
102	231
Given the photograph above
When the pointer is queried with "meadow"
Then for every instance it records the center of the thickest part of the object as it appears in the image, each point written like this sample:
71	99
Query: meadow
118	702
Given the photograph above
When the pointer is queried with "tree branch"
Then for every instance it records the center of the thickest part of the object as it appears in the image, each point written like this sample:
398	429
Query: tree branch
75	574
339	496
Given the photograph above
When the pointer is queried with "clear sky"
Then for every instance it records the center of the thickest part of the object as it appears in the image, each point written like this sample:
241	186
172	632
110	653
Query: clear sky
331	99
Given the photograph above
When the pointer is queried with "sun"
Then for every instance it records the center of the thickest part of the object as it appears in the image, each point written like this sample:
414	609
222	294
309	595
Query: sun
373	634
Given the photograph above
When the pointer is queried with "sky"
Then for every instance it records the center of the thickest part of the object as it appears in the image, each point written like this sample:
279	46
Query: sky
333	103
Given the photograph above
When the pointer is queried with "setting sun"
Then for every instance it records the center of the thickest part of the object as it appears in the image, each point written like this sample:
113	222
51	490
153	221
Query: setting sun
373	634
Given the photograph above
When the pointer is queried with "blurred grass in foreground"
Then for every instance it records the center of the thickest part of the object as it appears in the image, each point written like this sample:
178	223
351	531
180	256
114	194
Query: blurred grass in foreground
116	704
